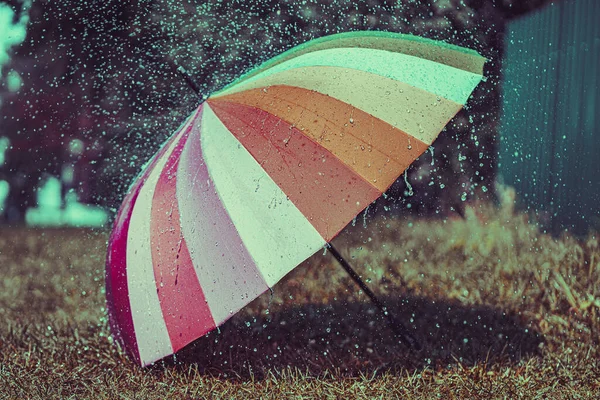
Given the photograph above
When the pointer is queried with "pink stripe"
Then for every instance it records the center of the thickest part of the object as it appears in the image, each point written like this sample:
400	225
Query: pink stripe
227	273
182	301
117	292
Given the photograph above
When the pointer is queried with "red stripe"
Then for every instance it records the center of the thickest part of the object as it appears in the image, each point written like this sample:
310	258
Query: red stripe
185	310
328	192
117	291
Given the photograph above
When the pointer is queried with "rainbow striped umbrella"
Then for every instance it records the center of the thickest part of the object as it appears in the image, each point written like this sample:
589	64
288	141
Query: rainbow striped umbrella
266	172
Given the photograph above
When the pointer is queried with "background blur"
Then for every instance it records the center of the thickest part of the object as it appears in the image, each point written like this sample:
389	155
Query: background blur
88	93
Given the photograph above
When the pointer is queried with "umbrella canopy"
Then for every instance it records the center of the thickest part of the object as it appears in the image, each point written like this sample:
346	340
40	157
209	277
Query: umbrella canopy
266	172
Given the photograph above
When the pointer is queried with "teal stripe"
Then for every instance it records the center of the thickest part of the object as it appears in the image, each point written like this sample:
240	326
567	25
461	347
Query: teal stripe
306	47
448	82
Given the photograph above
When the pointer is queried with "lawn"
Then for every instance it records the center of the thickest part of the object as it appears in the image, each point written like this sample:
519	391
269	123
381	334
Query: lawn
502	311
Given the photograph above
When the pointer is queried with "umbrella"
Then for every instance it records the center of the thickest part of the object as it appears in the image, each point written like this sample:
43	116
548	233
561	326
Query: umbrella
266	172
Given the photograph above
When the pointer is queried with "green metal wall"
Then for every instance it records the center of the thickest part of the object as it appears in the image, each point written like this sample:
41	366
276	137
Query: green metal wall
550	124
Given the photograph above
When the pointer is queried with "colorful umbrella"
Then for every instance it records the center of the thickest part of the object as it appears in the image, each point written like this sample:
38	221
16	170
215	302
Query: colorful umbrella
266	172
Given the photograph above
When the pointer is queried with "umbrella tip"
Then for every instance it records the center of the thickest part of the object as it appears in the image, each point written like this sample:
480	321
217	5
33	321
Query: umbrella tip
186	76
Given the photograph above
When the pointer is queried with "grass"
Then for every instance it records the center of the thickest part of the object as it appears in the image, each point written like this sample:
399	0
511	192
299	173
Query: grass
502	311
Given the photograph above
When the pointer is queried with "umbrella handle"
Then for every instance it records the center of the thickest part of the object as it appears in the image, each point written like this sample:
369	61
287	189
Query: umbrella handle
399	329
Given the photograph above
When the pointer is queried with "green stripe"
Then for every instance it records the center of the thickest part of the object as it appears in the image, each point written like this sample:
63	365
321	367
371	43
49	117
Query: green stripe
353	39
448	82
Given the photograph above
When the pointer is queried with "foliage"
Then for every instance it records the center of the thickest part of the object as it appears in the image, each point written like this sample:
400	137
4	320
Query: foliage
102	72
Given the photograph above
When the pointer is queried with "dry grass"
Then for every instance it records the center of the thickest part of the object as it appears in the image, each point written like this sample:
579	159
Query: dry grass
502	311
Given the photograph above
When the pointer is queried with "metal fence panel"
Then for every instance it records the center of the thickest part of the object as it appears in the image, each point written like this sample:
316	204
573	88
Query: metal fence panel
550	124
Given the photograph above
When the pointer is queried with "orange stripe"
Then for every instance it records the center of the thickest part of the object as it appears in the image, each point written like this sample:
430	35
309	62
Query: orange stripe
374	149
417	112
324	189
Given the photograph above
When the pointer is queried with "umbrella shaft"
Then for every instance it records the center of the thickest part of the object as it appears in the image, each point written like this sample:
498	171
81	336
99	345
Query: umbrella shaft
399	329
186	76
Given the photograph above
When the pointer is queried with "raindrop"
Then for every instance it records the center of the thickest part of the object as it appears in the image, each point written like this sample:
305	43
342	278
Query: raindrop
408	185
365	216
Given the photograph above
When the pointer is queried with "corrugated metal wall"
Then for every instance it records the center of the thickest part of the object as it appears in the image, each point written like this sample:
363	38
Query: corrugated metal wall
550	124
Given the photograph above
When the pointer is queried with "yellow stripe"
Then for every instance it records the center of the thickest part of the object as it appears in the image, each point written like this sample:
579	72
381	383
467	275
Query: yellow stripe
417	112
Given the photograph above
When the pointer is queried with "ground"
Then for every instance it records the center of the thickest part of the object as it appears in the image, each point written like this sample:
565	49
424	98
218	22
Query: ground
502	311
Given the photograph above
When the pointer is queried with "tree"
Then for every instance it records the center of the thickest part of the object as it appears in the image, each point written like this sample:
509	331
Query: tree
101	72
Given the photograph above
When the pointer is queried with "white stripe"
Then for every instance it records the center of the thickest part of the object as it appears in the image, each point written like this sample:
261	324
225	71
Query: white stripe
277	235
150	329
223	267
445	81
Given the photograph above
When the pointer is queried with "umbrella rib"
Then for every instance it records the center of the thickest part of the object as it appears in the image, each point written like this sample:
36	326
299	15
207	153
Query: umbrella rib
399	329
